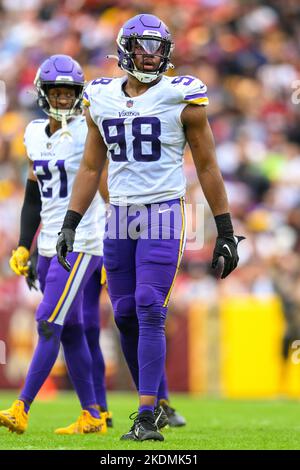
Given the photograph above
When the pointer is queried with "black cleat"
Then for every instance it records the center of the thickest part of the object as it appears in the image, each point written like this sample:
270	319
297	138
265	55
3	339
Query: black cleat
160	417
175	420
143	428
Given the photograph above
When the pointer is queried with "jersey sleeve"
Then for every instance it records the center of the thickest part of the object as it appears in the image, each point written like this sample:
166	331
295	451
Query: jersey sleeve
86	96
192	90
94	87
87	99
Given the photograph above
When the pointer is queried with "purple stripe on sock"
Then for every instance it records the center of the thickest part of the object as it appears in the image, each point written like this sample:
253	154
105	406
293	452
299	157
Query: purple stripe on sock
146	408
93	411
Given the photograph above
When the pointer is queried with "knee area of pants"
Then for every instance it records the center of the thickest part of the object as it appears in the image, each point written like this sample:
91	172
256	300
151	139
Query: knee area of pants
71	333
125	311
145	296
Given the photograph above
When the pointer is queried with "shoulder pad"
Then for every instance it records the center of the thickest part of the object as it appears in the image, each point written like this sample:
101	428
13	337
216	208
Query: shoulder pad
90	89
192	90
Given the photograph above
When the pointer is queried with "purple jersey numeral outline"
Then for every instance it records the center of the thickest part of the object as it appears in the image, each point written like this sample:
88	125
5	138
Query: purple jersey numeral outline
47	176
180	79
118	138
138	138
101	81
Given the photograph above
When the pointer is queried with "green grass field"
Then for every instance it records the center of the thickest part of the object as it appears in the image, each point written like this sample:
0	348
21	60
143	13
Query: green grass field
212	424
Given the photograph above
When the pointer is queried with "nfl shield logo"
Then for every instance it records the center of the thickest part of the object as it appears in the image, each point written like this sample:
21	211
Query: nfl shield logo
129	103
49	145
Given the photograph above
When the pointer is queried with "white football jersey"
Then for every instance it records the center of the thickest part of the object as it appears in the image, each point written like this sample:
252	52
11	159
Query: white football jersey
144	136
56	160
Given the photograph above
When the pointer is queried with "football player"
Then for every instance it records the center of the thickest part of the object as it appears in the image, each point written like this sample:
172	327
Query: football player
142	122
165	414
69	310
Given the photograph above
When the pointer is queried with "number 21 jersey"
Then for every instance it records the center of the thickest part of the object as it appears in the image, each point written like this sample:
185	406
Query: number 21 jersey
56	160
144	136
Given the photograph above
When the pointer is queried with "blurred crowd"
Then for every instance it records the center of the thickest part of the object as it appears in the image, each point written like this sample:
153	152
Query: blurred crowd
248	54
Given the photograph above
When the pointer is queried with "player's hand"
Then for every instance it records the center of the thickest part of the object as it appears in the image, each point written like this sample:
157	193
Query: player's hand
227	248
31	278
19	261
64	245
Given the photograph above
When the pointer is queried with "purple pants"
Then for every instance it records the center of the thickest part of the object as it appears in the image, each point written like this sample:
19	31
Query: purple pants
65	293
143	246
60	319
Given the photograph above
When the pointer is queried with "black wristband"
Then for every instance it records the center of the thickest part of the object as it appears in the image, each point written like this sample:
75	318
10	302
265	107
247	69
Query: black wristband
224	225
30	214
71	220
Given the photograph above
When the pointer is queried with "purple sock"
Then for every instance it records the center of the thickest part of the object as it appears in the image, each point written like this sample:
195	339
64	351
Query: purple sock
26	405
152	343
143	408
93	411
44	357
163	388
129	336
126	321
79	364
98	366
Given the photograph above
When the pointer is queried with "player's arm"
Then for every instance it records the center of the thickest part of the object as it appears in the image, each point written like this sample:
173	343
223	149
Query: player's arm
88	176
29	223
103	188
85	186
200	139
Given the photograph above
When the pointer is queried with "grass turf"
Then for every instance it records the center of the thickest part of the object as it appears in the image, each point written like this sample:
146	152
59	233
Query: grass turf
212	424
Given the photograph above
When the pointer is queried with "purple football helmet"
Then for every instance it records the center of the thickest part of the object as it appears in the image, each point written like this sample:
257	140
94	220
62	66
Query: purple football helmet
152	35
59	71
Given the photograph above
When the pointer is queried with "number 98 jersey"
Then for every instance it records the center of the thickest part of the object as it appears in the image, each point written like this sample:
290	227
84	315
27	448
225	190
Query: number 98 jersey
144	136
56	160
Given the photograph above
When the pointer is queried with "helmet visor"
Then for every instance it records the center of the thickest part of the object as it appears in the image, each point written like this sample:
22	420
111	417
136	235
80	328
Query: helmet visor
151	46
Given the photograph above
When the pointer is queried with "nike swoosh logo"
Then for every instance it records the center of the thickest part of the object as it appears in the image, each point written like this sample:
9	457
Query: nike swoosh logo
158	417
226	246
164	210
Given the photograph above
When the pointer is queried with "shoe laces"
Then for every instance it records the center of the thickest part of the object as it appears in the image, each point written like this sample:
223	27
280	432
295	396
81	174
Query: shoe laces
140	419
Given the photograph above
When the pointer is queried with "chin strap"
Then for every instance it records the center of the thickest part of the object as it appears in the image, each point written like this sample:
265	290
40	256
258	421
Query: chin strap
65	134
148	79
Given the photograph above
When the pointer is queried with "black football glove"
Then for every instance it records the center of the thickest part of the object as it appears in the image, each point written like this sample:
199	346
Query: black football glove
31	278
227	248
64	245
